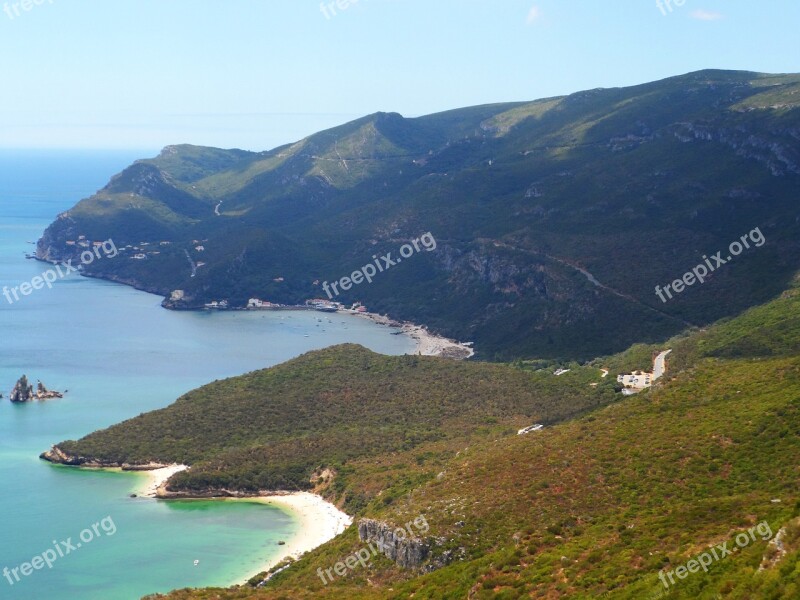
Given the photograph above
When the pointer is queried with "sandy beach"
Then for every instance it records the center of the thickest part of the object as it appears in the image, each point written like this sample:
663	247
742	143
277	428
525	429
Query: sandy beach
157	477
428	344
319	520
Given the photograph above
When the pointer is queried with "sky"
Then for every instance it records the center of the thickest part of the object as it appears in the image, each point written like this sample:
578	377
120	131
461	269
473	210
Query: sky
255	74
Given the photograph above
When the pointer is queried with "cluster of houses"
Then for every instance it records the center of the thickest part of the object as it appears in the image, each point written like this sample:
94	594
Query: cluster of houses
217	305
139	252
320	304
326	305
255	303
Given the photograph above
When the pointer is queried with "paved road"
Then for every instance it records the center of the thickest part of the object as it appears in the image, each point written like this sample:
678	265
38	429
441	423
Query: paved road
660	364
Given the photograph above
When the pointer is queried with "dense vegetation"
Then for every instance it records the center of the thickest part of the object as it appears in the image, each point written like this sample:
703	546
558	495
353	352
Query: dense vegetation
634	185
597	506
273	429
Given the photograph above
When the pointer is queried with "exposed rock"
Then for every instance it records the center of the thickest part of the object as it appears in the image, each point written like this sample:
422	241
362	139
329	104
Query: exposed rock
777	549
58	456
23	392
405	551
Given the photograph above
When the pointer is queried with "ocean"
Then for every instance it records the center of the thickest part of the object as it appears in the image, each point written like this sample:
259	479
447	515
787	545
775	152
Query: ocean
120	354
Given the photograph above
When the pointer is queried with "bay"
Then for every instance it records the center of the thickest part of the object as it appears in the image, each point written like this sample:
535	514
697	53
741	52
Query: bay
120	354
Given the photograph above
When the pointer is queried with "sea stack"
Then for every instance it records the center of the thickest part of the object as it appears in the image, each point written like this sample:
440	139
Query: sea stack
23	392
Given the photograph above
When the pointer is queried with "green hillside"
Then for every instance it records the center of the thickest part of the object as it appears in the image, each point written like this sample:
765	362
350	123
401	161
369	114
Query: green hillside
274	429
526	200
591	506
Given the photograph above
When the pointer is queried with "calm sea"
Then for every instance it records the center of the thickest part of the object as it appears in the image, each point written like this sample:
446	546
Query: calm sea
119	354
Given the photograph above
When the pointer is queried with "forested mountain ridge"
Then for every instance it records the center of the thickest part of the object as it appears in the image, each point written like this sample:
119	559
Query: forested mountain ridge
554	219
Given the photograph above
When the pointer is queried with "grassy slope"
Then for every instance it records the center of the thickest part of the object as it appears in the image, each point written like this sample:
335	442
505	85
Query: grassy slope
596	506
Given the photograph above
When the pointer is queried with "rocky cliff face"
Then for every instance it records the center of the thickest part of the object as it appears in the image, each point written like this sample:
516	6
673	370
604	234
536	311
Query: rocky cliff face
406	552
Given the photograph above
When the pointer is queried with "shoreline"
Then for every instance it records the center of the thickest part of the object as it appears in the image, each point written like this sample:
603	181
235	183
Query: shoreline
428	344
157	478
318	520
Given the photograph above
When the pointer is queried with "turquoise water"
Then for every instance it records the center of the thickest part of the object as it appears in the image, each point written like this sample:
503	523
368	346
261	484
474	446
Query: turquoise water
119	354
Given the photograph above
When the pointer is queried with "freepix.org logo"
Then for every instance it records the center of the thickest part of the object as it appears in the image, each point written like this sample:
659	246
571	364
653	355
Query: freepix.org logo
59	550
102	249
701	272
17	9
381	264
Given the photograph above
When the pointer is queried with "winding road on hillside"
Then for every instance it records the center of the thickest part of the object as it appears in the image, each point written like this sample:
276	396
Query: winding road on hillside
660	364
592	279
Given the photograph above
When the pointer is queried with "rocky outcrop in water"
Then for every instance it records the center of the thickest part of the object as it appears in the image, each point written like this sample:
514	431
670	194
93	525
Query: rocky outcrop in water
24	392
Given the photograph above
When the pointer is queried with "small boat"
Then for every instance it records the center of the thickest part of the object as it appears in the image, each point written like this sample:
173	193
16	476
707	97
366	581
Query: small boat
197	562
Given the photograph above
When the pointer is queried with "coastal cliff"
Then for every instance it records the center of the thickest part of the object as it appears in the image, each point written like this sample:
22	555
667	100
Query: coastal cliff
59	457
407	552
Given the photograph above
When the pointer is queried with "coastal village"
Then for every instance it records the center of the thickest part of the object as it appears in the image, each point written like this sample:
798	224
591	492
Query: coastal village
319	304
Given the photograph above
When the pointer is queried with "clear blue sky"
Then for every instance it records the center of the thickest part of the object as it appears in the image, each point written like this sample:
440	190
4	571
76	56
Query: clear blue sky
141	74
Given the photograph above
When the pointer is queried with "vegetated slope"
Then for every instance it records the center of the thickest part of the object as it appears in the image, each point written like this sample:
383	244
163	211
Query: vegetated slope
769	330
631	185
597	506
274	429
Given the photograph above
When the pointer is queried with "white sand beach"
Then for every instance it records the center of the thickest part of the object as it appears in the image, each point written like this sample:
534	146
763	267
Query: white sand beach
158	477
319	520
